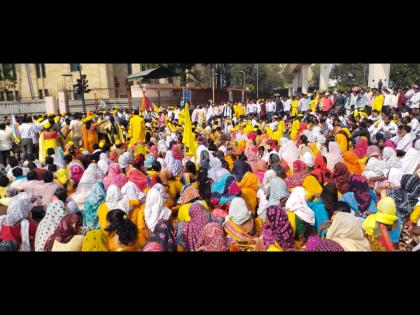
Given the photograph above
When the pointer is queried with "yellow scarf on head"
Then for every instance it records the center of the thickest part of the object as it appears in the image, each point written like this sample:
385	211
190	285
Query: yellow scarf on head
311	186
386	214
342	142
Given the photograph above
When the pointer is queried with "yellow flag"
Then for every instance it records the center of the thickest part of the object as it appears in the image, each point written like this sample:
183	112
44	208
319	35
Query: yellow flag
188	138
155	108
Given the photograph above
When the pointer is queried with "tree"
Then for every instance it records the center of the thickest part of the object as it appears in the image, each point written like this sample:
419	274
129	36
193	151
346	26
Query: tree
404	74
269	76
349	75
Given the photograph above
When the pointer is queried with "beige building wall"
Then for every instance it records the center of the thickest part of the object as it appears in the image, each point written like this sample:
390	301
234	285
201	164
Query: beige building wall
101	80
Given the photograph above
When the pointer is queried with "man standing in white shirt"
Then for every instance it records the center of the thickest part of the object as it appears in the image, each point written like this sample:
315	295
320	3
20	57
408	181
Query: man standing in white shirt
227	111
26	133
287	104
394	99
386	108
194	115
6	139
271	108
303	104
76	130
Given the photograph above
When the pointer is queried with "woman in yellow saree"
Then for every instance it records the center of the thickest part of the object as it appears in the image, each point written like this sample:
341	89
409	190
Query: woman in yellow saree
89	134
48	139
295	129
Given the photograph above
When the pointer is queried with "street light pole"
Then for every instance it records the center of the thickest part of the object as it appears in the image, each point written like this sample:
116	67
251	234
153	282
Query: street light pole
257	80
83	90
243	85
212	81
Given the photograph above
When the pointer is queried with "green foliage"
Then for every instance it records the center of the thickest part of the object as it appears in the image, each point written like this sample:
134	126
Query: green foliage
404	74
349	75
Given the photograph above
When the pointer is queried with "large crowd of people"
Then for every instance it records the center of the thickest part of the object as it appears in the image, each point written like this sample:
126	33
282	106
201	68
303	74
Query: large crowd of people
323	171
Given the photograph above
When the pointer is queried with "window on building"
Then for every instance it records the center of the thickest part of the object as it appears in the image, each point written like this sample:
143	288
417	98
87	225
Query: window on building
74	67
40	70
46	93
9	96
130	68
40	94
77	96
2	97
17	96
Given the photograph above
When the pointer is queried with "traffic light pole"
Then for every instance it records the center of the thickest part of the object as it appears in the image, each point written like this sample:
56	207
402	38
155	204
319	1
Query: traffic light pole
83	91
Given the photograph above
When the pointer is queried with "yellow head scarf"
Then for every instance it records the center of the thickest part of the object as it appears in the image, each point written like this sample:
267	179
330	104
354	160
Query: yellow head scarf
62	176
386	214
311	186
249	180
342	142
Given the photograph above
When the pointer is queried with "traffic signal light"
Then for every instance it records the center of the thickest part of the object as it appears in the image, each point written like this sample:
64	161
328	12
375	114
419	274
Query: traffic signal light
82	86
85	84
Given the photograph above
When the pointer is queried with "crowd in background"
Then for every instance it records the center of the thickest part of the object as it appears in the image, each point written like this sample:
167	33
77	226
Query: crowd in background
322	171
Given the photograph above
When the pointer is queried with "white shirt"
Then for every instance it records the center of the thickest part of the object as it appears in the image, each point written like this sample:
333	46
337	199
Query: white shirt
76	128
287	105
6	138
209	113
177	112
26	131
387	99
403	143
271	107
394	100
391	127
415	100
414	124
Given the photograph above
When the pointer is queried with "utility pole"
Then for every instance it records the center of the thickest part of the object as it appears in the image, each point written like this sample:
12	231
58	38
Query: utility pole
82	89
257	80
212	81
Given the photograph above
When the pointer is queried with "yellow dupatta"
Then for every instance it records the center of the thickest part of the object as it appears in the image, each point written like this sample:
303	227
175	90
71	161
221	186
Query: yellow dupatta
311	186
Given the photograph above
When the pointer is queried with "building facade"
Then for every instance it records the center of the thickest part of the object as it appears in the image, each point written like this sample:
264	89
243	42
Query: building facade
35	81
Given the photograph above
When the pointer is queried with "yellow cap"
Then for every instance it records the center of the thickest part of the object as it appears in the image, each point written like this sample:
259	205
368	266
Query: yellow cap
47	125
117	142
70	143
102	143
57	119
40	119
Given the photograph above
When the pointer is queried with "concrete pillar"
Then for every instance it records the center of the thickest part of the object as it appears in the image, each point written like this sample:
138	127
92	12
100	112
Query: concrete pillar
63	104
378	71
50	105
304	73
295	83
324	76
